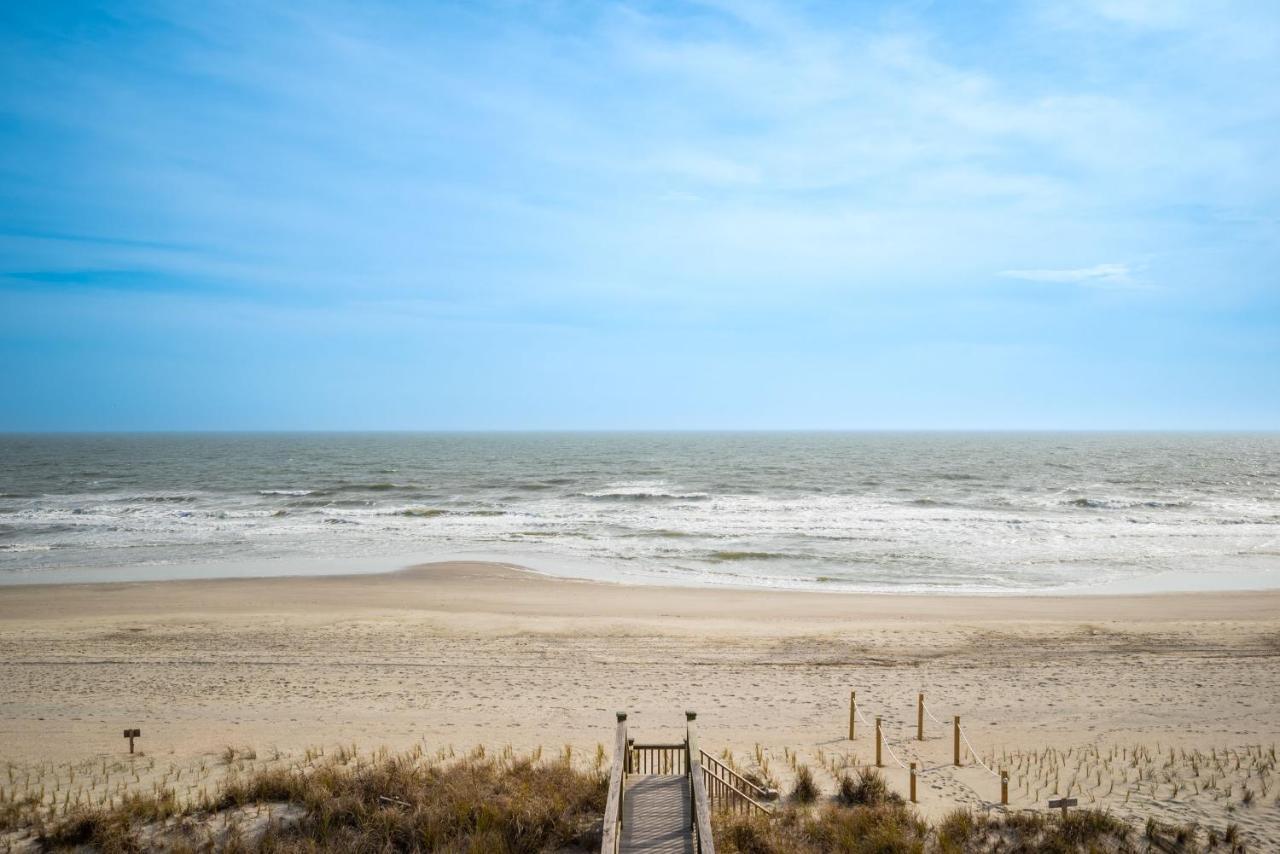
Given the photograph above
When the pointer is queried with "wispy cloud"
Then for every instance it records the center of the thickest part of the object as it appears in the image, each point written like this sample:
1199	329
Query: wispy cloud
1097	276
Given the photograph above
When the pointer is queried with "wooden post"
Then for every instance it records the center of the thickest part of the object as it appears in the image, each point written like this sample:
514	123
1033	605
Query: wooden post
1004	787
700	805
920	717
913	782
612	825
853	709
131	734
691	716
956	739
879	764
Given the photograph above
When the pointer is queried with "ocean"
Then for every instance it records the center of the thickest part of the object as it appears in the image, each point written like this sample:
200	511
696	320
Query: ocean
882	512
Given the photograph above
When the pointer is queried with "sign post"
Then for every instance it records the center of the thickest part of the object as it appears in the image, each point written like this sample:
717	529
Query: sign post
131	734
1063	803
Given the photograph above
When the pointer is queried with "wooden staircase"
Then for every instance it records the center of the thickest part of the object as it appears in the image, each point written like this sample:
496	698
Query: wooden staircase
661	795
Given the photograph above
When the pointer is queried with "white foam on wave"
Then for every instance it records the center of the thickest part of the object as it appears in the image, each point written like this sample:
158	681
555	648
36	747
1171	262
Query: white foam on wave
640	489
948	533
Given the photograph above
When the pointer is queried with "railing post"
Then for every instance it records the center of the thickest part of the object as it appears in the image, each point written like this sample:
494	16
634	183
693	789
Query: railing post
612	825
1004	787
956	741
701	808
853	708
913	782
920	717
879	764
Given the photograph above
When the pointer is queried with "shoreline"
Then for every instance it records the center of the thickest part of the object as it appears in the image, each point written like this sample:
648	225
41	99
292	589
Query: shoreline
465	583
574	569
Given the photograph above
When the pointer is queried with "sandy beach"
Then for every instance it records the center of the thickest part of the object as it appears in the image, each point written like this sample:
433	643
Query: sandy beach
463	654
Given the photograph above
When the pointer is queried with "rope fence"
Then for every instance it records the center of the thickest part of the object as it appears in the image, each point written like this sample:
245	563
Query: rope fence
916	768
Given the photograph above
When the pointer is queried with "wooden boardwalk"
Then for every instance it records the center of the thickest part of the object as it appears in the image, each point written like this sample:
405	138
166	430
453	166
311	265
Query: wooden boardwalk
657	796
655	815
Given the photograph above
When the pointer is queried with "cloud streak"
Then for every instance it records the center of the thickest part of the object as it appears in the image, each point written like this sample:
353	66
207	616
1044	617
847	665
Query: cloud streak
1097	276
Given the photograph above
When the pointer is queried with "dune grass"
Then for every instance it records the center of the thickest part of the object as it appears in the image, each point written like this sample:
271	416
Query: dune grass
509	804
505	805
887	826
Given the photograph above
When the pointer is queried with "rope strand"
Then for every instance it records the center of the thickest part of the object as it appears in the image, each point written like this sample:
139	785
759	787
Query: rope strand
965	736
887	747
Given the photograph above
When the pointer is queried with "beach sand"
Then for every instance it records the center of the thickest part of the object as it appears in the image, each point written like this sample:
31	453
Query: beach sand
462	654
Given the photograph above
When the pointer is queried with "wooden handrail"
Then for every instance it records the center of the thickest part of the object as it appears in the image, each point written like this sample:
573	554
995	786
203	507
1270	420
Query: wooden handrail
725	797
704	842
611	835
734	779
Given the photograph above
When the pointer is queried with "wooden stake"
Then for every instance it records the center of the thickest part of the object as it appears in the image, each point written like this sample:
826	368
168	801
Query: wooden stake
853	709
913	782
1004	787
920	717
879	764
956	739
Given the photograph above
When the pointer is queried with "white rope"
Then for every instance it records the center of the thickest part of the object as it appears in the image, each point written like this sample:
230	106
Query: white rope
975	753
930	714
885	742
861	717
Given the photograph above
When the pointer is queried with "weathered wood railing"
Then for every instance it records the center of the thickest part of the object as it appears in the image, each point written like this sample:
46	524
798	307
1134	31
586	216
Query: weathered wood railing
612	829
703	841
729	790
657	758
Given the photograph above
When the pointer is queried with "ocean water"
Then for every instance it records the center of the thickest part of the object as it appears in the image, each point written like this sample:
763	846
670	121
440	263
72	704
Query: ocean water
857	511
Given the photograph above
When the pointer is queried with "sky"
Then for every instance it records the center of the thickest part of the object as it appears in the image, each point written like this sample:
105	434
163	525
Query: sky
1061	214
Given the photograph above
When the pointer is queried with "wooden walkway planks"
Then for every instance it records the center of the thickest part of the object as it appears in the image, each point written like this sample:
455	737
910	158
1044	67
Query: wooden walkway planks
656	814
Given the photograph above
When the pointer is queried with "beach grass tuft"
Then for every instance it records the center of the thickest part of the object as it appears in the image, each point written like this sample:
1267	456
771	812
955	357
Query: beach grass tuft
805	790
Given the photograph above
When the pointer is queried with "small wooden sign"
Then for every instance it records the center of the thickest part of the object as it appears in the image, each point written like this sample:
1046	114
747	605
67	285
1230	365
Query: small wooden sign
131	734
1063	803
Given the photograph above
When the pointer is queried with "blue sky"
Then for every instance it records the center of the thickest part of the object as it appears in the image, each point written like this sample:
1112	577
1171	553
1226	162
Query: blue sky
640	215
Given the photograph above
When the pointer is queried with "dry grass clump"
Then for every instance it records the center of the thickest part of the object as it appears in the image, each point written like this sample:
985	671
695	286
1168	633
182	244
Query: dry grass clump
869	790
1080	831
805	790
18	812
110	829
893	828
885	829
400	803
